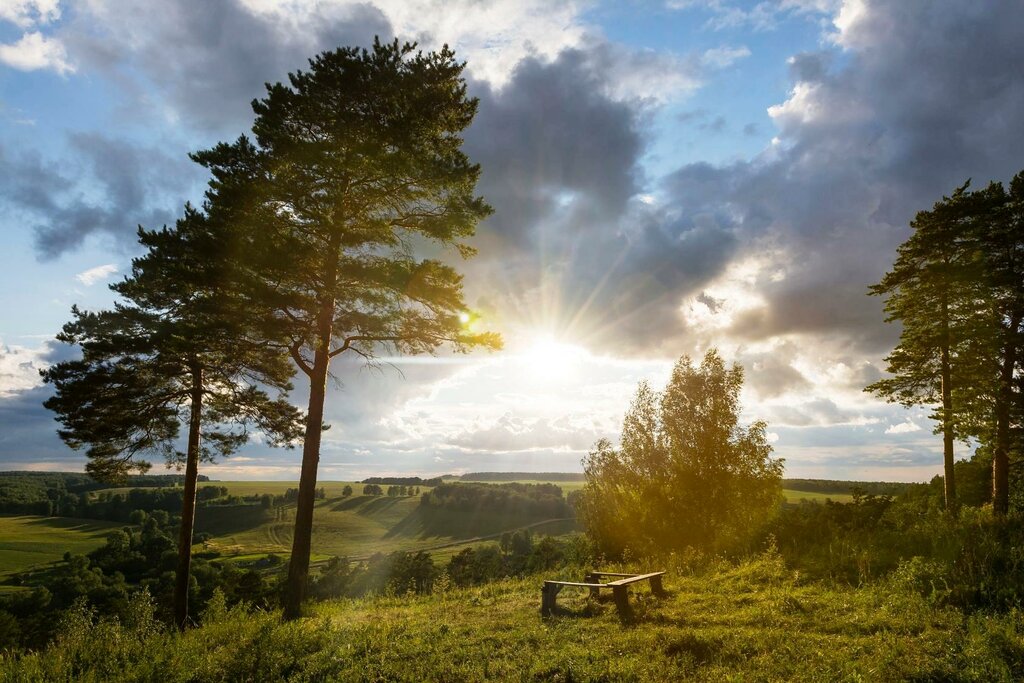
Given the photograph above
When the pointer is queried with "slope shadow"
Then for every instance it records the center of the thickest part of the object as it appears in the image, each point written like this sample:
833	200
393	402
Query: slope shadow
365	505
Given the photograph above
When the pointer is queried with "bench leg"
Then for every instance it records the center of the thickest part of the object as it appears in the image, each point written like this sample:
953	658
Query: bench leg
548	595
621	600
595	593
656	587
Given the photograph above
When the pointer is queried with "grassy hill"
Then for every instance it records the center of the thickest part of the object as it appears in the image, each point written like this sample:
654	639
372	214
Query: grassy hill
28	541
754	622
358	527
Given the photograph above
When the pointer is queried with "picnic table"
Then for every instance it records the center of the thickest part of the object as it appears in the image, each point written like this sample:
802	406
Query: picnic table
592	581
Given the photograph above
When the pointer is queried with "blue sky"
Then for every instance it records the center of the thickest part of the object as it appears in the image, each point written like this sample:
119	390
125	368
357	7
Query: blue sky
667	177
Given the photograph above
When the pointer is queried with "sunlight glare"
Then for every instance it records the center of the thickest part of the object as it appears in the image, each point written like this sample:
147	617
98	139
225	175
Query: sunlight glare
548	357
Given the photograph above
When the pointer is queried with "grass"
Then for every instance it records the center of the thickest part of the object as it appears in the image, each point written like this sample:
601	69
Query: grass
754	622
29	541
359	526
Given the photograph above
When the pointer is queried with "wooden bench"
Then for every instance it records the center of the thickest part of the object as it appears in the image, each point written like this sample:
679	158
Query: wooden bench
592	581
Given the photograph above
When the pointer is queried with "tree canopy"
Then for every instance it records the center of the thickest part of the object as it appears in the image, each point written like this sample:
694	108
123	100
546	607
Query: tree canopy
686	473
178	348
957	288
355	169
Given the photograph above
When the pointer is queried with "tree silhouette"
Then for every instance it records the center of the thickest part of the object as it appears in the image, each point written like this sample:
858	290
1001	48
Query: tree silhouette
178	348
932	290
355	167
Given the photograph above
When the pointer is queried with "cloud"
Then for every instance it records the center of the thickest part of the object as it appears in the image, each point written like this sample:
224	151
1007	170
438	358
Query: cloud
906	427
913	111
27	13
97	274
205	62
34	51
106	187
722	57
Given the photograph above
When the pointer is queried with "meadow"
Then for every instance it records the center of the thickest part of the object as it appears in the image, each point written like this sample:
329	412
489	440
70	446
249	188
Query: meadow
30	541
752	621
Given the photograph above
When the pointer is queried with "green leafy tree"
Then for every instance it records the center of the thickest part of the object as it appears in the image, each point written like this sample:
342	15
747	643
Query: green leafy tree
177	349
686	474
933	290
356	167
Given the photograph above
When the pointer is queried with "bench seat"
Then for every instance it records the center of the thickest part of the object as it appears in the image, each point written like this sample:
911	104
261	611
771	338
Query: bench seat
551	589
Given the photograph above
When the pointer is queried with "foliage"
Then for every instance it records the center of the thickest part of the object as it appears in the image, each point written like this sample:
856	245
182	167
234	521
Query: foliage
355	167
523	500
522	476
957	288
685	474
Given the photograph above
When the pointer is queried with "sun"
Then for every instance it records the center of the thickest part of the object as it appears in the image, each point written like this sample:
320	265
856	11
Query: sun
546	357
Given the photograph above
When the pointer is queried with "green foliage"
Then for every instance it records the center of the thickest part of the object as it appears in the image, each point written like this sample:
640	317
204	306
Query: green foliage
527	501
957	288
685	474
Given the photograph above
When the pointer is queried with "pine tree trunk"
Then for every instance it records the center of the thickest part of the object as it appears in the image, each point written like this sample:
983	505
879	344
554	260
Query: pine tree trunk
298	565
1001	454
188	503
947	415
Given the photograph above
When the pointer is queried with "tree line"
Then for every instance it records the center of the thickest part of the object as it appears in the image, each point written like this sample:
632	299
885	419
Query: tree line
304	248
957	289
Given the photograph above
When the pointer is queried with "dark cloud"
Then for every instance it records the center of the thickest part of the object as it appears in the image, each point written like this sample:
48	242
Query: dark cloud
561	165
208	60
915	109
107	186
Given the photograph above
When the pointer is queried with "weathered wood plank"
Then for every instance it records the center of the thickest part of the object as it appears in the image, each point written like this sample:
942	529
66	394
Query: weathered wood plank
635	579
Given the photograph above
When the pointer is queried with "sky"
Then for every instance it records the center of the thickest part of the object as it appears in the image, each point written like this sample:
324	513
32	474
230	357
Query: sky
667	177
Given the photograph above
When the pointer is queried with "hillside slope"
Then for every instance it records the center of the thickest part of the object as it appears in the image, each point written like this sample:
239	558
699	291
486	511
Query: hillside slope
755	622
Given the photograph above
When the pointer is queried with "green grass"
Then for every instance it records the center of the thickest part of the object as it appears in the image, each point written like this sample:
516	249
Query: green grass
755	622
359	526
29	541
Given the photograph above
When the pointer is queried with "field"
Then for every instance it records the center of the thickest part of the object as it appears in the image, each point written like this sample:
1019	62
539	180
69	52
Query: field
354	527
754	622
28	541
359	526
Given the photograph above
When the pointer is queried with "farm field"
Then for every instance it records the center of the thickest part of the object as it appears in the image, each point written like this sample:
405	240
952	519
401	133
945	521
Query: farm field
29	541
360	526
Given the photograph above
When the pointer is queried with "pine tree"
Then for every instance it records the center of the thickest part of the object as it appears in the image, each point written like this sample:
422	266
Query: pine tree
999	228
355	167
177	349
933	290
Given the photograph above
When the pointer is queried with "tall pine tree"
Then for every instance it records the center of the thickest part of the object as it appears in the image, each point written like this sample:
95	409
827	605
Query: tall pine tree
179	348
356	166
933	291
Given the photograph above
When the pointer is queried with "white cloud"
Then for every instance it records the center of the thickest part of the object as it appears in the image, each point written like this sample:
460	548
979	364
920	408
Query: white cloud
25	13
492	36
97	274
35	51
721	57
19	368
903	428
